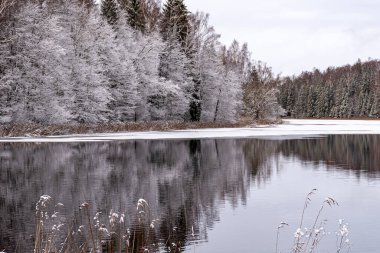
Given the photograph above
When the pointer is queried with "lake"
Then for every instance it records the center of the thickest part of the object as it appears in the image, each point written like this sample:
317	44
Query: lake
204	196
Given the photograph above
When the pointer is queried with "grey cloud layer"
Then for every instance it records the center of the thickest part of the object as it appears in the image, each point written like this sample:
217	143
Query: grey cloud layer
297	35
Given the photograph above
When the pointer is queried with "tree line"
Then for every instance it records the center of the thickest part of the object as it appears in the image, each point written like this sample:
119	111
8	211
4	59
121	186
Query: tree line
77	61
344	92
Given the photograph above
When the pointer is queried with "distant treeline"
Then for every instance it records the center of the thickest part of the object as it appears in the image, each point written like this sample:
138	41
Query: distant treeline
84	61
344	92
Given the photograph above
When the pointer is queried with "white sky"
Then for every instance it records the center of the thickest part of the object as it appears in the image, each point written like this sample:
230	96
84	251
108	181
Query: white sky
296	35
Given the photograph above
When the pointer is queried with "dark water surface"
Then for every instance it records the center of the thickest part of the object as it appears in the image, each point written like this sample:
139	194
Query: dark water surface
209	195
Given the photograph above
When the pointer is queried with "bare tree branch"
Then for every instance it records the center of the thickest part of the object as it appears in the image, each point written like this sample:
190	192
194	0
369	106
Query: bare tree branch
4	5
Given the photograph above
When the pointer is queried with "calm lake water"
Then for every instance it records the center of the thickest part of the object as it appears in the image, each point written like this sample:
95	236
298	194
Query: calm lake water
224	195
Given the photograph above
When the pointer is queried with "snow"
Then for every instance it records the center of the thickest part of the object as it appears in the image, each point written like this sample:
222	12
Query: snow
289	129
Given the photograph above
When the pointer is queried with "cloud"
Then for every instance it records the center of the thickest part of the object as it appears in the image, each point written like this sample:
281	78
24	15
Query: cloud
297	35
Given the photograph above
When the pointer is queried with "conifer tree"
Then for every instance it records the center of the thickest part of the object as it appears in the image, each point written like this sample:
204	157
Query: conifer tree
136	17
175	21
250	88
110	11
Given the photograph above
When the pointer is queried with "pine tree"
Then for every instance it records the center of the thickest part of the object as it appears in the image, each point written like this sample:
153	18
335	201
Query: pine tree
110	11
175	21
136	17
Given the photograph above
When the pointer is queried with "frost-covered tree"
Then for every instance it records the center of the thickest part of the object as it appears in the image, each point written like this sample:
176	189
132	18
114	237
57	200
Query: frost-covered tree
173	71
160	97
206	68
140	55
110	11
90	92
121	77
33	88
229	96
70	61
152	14
217	73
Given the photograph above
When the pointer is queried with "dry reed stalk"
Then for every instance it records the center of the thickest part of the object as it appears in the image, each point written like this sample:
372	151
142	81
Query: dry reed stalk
32	129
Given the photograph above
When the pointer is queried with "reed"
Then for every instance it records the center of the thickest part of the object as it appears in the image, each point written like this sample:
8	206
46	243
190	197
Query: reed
32	129
46	217
100	233
309	238
96	234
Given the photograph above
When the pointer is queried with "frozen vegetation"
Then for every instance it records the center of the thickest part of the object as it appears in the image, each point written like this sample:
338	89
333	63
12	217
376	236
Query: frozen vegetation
76	62
85	62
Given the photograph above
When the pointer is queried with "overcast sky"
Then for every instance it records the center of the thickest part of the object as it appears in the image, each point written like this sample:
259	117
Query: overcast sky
296	35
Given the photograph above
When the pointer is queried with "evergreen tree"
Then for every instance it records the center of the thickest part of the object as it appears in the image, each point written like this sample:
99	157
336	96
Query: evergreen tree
250	88
344	92
175	21
375	112
364	94
344	110
110	11
136	17
291	99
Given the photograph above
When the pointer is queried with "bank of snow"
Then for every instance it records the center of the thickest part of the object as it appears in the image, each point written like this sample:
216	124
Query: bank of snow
290	129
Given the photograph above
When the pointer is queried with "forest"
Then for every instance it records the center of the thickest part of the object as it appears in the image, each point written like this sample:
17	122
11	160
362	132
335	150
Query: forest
350	91
118	61
79	61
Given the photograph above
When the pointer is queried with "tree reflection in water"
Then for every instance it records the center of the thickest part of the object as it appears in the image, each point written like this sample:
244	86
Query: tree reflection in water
184	181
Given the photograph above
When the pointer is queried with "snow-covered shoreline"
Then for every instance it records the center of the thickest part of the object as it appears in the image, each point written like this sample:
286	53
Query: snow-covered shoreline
290	129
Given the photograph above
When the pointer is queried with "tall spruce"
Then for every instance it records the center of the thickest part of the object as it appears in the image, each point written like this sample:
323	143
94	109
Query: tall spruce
136	17
110	11
175	21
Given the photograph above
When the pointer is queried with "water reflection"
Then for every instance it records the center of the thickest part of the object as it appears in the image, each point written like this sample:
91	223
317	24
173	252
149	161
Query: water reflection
184	181
357	153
